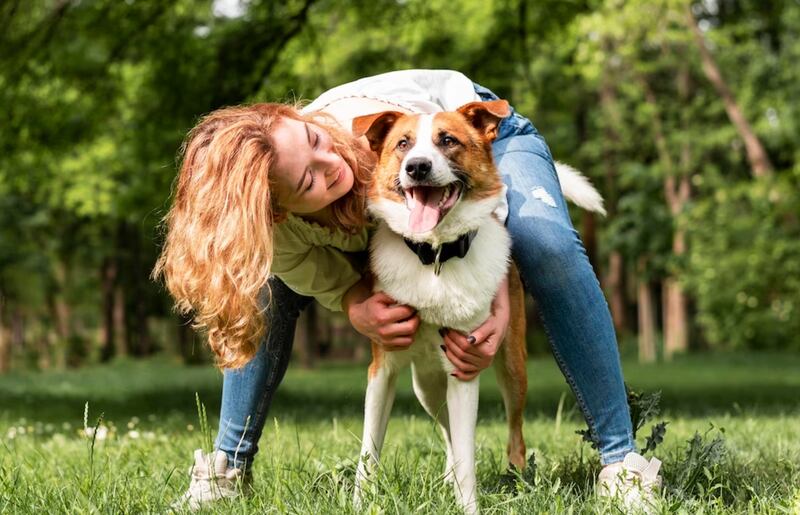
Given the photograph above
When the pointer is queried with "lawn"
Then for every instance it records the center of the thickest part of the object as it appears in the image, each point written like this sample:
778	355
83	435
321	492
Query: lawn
744	407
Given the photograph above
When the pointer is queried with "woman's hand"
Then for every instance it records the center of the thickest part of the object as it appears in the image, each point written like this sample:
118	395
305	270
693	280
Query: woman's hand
475	352
379	318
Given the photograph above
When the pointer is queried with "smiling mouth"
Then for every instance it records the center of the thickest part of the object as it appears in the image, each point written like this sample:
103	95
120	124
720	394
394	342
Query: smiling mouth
429	204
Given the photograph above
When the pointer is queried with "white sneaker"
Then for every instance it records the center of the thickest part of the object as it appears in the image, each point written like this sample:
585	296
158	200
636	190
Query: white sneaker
634	481
212	480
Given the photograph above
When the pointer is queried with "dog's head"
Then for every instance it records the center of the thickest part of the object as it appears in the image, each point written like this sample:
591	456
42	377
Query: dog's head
435	177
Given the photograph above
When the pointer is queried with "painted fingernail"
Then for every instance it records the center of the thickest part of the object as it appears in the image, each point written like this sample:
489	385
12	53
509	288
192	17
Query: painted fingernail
441	331
471	340
443	348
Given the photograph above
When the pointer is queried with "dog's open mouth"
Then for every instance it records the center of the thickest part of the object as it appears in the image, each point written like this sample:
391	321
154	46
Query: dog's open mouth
429	204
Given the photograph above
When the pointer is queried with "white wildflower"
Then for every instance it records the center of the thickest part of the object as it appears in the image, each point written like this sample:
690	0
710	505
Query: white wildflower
102	432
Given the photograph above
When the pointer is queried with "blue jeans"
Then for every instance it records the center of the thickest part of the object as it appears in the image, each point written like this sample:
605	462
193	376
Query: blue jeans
554	269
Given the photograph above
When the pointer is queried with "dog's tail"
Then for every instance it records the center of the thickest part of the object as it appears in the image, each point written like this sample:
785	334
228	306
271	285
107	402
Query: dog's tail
577	188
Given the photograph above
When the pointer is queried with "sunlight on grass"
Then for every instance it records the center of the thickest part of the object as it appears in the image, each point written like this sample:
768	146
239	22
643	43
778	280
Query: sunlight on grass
134	458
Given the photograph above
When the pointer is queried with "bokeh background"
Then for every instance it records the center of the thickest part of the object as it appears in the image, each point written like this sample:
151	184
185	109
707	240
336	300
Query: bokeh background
684	114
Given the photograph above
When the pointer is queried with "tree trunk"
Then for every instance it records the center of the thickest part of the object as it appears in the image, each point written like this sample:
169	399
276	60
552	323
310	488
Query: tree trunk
61	314
756	155
42	344
5	340
615	283
120	332
108	274
141	339
647	319
614	279
589	238
305	336
676	318
17	329
676	334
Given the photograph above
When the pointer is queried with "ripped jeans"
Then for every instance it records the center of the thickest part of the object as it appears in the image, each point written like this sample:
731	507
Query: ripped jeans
554	269
556	272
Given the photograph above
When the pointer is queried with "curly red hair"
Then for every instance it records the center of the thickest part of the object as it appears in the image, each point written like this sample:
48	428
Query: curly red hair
218	248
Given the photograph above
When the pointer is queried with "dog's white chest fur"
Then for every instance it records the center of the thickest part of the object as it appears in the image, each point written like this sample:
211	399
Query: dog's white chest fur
460	296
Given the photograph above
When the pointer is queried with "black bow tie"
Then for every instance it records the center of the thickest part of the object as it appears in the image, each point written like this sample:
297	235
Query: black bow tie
428	255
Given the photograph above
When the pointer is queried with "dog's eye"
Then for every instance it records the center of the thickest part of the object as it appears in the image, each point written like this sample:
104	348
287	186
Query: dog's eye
449	141
402	144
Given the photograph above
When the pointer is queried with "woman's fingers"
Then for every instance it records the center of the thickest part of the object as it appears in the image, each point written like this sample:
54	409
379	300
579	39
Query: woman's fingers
459	363
388	310
397	344
406	327
396	313
461	354
482	333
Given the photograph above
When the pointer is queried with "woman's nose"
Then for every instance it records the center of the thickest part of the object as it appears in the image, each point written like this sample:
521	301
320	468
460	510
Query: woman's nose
331	163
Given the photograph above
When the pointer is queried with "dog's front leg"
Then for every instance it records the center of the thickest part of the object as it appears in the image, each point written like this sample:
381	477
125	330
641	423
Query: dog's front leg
378	406
462	409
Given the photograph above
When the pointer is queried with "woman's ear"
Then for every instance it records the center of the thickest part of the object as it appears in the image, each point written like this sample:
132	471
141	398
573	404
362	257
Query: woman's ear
278	213
375	127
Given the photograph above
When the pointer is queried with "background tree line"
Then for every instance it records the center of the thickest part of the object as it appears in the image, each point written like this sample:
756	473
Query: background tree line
684	114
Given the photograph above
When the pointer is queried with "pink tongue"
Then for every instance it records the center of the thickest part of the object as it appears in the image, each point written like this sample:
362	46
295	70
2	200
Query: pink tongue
425	214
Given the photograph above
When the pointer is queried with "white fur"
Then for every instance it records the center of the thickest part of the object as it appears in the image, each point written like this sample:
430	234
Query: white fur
577	188
459	297
424	147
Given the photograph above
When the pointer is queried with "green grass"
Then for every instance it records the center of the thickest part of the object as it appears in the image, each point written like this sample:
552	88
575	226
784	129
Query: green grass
310	444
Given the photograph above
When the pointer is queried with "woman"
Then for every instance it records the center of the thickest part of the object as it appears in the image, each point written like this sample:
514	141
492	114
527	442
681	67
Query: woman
268	190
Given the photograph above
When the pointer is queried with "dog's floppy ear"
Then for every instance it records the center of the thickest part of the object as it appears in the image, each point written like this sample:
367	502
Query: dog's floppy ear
375	127
486	116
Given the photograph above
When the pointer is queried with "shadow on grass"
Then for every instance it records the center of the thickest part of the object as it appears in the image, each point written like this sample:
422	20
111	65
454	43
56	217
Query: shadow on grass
695	385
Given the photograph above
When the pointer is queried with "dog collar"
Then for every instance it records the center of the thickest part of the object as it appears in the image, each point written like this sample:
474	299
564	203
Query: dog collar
428	255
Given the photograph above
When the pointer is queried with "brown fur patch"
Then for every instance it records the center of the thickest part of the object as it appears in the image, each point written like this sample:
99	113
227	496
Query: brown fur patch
377	360
473	155
512	374
384	184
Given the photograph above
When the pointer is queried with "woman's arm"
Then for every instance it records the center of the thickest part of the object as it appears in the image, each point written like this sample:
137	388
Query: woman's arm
471	354
378	316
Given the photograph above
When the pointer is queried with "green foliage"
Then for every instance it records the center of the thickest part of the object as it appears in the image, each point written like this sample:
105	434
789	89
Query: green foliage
643	408
98	95
702	469
744	264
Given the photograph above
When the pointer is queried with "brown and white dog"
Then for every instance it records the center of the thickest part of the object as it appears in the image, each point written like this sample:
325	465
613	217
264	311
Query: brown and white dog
440	248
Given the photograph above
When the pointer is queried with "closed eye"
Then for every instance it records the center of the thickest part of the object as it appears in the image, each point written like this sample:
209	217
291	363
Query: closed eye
311	182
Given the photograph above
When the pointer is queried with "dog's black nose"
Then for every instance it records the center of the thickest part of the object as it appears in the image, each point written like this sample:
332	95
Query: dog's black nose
418	168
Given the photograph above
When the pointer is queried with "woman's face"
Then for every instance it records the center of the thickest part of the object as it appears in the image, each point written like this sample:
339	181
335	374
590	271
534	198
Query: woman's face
309	173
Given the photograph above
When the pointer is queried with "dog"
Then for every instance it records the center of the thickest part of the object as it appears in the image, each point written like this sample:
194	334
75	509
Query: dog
441	248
